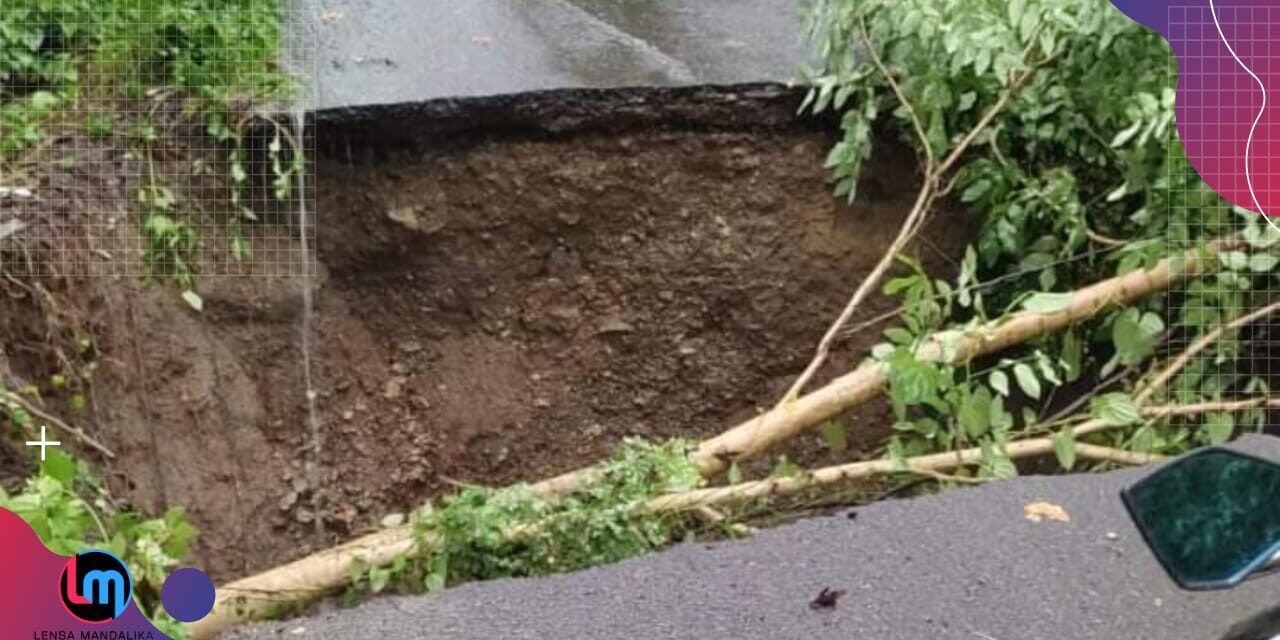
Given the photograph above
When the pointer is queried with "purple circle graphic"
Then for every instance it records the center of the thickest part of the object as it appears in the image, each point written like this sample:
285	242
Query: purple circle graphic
187	595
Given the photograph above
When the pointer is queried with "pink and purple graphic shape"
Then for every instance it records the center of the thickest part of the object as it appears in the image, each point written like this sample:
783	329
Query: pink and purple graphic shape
1228	100
31	586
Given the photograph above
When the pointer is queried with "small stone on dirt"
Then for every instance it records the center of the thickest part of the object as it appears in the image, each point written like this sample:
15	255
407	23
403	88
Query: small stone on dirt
393	388
405	217
411	346
615	325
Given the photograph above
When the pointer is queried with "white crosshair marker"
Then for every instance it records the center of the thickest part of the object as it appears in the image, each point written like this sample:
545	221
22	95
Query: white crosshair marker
43	442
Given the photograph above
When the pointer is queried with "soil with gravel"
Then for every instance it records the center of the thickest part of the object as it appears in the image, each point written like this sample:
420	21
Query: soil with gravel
492	304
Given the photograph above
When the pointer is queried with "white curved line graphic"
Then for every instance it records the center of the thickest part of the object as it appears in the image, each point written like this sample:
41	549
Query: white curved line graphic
1248	144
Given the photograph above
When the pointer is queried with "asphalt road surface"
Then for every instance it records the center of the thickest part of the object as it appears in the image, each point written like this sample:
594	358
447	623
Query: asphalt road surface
966	564
366	52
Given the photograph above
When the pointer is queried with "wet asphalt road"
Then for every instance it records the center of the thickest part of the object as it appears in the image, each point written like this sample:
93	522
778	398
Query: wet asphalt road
368	52
963	565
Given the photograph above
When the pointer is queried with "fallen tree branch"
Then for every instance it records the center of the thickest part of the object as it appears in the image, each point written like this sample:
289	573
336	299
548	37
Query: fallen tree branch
929	465
1218	406
79	434
1120	456
930	190
262	595
1207	340
944	477
953	347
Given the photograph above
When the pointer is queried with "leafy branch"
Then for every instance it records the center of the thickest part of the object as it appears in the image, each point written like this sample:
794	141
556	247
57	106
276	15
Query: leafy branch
931	189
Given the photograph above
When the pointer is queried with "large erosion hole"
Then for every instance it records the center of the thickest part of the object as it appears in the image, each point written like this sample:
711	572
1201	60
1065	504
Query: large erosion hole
506	290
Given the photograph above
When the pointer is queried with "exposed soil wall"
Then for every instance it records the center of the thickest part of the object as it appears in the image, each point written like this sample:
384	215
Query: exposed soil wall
497	303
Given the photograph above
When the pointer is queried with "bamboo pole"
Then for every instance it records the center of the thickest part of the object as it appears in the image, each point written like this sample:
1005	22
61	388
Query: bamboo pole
264	595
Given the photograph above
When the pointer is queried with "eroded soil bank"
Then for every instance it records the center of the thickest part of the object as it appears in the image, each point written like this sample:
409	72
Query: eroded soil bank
507	288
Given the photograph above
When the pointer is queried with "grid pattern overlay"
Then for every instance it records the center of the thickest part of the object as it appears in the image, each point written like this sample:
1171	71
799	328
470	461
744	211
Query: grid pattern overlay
1218	104
155	139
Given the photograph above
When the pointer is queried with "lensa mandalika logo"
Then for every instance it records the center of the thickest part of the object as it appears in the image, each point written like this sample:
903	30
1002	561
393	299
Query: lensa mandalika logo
95	586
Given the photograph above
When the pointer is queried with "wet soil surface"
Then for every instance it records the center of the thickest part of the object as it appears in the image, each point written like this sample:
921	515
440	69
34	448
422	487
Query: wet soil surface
490	307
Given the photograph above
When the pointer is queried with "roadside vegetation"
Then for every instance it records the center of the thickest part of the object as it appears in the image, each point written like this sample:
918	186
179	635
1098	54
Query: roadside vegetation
140	75
150	75
1055	122
1102	317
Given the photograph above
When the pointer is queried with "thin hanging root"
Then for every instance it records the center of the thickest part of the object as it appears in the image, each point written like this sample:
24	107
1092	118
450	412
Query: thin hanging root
263	595
79	434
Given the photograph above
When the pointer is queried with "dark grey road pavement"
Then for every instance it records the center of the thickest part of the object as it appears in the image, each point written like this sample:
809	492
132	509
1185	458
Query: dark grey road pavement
388	51
964	564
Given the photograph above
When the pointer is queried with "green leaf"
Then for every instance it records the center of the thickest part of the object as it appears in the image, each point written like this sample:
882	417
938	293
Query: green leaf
1219	427
735	473
999	381
1072	355
1064	447
1260	236
997	464
1135	335
1126	135
898	335
378	579
1115	409
434	582
897	453
1027	380
974	414
1263	262
60	467
1016	9
1143	440
834	435
1234	260
43	100
785	468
